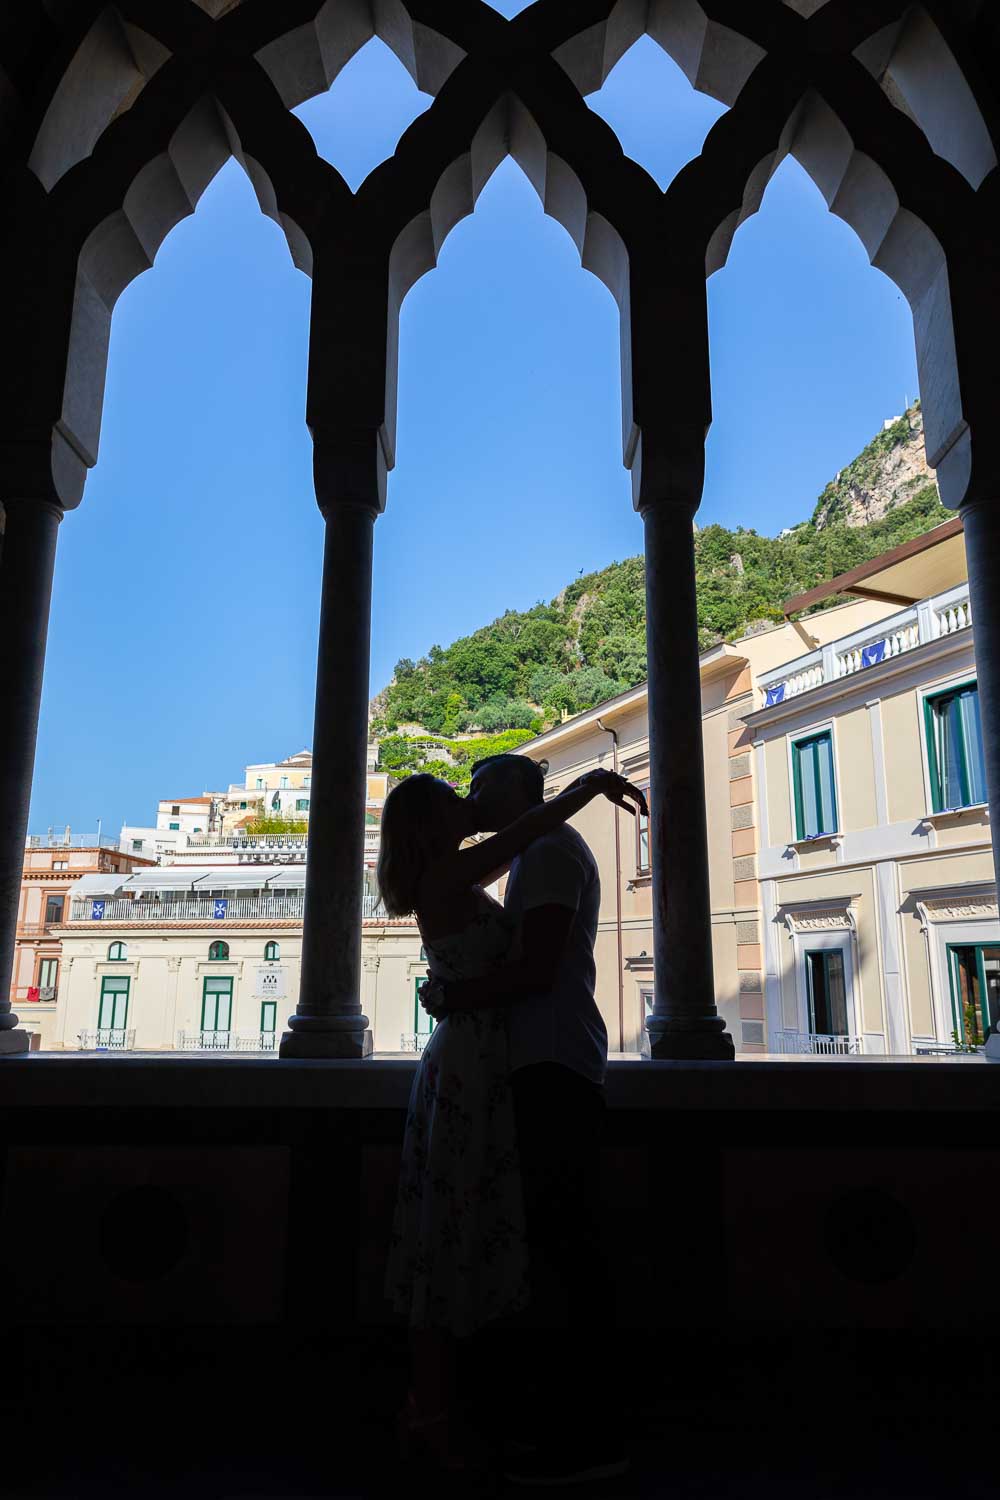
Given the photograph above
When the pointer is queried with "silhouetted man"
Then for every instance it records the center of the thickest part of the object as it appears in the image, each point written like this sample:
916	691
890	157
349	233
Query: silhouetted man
558	1056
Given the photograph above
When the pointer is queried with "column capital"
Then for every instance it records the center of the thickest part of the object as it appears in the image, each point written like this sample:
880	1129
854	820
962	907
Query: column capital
350	467
41	469
668	469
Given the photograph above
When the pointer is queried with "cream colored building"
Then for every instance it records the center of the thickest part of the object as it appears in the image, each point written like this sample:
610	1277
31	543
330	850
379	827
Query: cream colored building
878	898
283	789
882	891
209	960
53	863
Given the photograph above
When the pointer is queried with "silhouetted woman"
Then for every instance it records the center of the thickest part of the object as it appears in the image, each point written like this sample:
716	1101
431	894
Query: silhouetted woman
459	1255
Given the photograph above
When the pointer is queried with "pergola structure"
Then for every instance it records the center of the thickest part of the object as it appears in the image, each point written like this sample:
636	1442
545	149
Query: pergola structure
114	119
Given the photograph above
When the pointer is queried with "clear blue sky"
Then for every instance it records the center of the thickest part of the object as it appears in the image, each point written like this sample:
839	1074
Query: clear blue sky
183	633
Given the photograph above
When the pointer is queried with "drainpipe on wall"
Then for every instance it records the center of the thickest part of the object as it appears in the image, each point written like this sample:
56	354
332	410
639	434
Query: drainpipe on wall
618	897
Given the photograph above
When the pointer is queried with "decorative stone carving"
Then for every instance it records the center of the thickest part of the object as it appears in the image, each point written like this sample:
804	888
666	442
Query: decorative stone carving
819	918
972	908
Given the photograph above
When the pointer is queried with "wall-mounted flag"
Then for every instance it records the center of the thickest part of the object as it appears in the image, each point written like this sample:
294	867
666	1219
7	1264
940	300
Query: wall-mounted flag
220	910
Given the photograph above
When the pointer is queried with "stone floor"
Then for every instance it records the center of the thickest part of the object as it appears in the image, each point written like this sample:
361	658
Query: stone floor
198	1415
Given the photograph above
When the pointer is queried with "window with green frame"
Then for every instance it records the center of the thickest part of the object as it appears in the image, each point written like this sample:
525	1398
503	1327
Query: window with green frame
814	786
112	1014
117	952
302	804
423	1024
827	992
216	1002
268	1016
974	973
955	748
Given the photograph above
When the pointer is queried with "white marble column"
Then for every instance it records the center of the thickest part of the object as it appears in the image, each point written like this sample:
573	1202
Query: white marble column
27	558
684	1022
328	1020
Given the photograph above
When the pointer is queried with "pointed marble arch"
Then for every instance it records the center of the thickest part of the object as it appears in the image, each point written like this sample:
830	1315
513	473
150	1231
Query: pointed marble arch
410	203
228	106
903	200
112	212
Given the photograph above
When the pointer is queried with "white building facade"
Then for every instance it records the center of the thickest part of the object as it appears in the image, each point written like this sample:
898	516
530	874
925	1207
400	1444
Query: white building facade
184	958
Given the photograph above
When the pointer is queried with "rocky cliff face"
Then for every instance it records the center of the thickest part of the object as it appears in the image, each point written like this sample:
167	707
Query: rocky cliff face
891	470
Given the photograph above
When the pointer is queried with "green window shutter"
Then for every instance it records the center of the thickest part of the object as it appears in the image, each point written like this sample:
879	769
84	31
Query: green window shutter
268	1015
423	1024
814	786
955	748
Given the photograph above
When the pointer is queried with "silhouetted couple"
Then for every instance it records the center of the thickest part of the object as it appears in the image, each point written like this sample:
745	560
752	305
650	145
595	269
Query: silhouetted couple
499	1201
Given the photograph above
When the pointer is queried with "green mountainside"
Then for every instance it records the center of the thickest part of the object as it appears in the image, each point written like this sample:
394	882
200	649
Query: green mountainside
516	676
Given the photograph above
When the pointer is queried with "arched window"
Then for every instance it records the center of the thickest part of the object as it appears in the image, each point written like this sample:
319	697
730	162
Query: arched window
271	950
218	950
118	952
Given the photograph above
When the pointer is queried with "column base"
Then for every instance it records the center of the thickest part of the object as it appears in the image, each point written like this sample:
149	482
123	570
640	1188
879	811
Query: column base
705	1041
335	1044
13	1043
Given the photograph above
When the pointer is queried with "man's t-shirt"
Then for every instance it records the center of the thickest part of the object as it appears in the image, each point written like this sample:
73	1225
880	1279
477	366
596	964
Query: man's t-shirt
561	1025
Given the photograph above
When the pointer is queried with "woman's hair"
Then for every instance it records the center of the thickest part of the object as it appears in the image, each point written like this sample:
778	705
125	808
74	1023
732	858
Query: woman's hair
411	839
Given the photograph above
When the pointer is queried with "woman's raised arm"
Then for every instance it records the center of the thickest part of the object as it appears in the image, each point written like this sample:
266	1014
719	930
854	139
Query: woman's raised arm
471	866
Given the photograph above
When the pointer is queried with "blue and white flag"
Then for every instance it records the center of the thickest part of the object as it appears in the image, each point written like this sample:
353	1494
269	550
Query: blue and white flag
96	911
773	695
873	654
220	910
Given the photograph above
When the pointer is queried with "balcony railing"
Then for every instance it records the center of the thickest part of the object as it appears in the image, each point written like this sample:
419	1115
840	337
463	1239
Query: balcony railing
226	1041
107	1039
262	841
264	1041
67	840
280	906
942	615
414	1041
818	1043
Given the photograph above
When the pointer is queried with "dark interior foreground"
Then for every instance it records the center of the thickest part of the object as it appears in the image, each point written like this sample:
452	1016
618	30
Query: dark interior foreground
193	1254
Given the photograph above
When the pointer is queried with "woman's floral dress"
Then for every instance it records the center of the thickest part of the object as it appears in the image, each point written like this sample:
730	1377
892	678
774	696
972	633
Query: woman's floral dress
458	1256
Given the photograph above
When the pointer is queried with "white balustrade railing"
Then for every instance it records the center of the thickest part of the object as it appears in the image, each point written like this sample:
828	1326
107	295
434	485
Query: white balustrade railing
942	615
875	648
107	1039
279	906
414	1041
263	1041
227	1041
821	1043
247	841
951	612
206	1041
